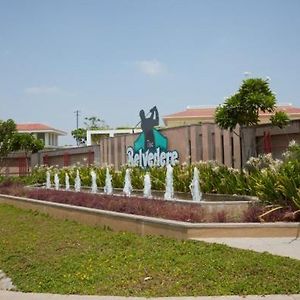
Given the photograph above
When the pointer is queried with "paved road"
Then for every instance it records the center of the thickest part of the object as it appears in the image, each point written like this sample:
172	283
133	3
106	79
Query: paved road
279	246
5	295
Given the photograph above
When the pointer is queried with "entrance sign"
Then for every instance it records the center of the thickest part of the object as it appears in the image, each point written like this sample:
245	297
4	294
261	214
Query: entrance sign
151	147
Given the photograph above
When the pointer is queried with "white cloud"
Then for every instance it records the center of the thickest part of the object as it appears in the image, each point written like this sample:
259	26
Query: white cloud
151	67
42	90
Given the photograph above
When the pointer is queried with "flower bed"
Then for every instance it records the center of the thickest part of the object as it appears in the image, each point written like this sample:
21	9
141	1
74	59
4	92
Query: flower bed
187	212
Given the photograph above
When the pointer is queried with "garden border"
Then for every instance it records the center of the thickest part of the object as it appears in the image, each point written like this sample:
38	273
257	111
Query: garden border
153	226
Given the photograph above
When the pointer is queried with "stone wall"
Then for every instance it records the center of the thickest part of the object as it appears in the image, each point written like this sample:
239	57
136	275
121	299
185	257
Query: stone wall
209	142
193	143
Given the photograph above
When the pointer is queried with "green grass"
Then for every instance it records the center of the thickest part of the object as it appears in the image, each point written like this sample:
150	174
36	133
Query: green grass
42	254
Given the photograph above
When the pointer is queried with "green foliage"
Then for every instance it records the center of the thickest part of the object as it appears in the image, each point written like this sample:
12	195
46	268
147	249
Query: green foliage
42	254
26	142
79	135
280	119
11	140
91	123
7	130
273	181
94	123
217	178
243	108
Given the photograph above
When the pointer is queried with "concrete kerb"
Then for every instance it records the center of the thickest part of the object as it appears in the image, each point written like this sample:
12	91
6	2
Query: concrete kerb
149	225
143	225
5	295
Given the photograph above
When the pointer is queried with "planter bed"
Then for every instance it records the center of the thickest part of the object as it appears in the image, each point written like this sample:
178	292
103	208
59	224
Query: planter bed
149	225
178	210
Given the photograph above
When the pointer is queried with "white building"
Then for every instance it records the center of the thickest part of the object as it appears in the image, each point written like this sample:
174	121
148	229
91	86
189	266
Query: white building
93	137
43	132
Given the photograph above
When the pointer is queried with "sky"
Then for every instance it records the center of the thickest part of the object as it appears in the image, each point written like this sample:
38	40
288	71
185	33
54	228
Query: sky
112	58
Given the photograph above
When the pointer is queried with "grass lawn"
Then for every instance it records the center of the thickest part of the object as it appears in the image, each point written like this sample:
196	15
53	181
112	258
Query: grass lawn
42	254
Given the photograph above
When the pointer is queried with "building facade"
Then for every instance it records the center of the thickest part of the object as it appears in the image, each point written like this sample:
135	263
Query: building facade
198	115
47	134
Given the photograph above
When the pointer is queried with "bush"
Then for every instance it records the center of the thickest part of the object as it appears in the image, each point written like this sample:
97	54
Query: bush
272	181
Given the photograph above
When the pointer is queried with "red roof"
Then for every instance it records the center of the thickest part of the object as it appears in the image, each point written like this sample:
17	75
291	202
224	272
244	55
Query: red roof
193	112
210	111
35	127
290	110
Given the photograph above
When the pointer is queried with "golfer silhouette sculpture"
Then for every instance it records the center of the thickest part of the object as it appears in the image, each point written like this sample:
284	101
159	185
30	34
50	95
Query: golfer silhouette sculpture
147	125
151	147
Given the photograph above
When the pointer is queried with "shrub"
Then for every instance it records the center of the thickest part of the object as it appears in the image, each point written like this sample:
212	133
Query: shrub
273	181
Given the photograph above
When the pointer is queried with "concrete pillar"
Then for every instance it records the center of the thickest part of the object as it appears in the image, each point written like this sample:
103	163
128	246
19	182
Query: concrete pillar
115	140
188	145
248	143
88	138
97	155
207	142
105	154
237	155
193	139
227	148
47	135
123	151
35	159
102	153
218	144
109	156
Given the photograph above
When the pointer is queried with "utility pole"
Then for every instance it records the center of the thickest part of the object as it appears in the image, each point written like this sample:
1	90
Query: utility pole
77	112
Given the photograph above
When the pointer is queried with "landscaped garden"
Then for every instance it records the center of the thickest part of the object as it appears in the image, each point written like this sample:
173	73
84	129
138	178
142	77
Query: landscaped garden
273	181
276	183
42	254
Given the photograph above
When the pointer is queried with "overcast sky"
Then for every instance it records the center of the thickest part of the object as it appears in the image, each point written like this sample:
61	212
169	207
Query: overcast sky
112	58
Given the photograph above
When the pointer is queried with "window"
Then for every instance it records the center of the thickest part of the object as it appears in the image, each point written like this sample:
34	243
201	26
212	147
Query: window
41	136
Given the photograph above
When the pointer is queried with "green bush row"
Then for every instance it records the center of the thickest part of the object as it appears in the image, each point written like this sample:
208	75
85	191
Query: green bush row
272	181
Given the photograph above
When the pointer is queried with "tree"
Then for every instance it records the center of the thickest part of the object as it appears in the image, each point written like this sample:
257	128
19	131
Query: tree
7	130
27	143
11	140
243	108
79	135
94	123
91	123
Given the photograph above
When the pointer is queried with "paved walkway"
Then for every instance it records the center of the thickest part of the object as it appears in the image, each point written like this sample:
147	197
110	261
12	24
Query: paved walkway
5	295
289	247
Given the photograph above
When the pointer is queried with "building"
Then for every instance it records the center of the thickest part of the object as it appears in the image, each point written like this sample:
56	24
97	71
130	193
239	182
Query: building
47	134
198	115
93	137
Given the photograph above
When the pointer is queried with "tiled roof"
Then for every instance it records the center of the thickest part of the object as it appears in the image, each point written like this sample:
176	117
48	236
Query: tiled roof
290	110
210	111
193	112
38	127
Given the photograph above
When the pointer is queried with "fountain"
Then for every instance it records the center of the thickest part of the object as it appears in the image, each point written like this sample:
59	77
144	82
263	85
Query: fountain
147	186
77	182
195	186
56	181
48	180
67	182
94	182
108	185
169	194
127	185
